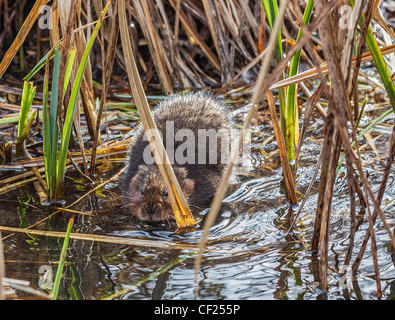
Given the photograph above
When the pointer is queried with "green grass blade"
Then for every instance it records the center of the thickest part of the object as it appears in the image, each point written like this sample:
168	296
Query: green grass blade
28	93
50	126
46	133
271	10
53	123
381	67
292	91
69	67
59	272
50	120
38	66
9	120
68	124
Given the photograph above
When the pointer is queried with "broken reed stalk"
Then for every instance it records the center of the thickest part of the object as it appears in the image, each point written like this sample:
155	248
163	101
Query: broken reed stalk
182	212
24	124
257	96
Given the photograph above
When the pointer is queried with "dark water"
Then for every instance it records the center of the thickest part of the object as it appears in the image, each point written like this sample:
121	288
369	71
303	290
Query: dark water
250	255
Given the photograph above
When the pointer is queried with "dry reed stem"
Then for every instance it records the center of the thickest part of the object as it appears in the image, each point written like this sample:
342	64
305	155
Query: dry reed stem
156	50
352	183
54	35
2	269
178	202
306	195
361	45
339	108
78	200
309	95
334	133
160	244
280	67
330	156
391	155
208	10
202	44
287	172
225	57
313	73
18	92
310	104
351	34
109	62
23	285
66	44
257	96
373	249
377	16
22	34
8	188
272	78
86	89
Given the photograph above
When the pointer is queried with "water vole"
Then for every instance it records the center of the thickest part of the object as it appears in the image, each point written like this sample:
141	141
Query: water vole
196	134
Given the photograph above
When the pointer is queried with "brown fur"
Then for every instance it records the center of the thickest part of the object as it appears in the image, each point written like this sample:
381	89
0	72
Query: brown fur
148	199
143	187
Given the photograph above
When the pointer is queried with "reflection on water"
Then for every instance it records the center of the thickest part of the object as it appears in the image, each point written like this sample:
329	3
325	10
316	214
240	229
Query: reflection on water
250	255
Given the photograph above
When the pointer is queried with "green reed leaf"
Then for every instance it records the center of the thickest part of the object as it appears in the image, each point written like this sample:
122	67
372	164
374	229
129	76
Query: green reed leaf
68	124
39	65
59	272
28	93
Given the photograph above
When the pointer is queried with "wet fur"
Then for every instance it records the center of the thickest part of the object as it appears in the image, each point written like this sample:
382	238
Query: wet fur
198	181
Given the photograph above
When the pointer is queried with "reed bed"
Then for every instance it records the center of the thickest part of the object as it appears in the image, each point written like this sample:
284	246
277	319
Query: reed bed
105	61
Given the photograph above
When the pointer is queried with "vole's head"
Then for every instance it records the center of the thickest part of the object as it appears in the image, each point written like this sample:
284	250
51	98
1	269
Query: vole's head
147	197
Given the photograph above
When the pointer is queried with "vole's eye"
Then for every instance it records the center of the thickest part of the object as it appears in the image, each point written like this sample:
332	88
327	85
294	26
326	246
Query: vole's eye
142	191
165	194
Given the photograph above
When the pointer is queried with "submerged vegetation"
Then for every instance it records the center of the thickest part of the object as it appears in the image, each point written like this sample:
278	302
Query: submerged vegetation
76	76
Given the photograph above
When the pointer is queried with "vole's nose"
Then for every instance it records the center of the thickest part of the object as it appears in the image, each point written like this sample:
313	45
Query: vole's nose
151	208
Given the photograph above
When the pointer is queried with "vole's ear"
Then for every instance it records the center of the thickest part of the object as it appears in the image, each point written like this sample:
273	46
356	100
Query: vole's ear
181	173
187	185
138	181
